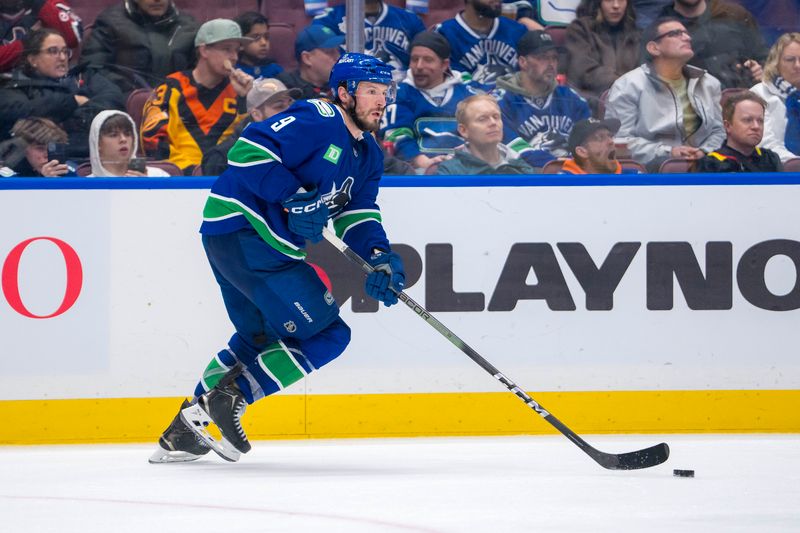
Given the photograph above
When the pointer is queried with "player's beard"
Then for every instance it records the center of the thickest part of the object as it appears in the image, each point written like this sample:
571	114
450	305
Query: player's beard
359	122
486	11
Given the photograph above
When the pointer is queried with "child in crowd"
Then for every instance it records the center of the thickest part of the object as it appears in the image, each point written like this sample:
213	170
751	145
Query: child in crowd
113	145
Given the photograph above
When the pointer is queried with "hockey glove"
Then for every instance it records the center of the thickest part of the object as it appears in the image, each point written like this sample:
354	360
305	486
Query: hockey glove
308	214
388	275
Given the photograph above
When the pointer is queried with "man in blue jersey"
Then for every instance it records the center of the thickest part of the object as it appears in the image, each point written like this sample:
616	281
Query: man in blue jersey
422	123
538	114
483	43
388	30
286	177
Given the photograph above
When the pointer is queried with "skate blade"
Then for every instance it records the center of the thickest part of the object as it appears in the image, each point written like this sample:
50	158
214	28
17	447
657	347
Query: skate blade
161	456
198	421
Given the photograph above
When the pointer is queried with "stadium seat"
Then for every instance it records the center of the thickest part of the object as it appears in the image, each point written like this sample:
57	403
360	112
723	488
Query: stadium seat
792	165
291	12
170	168
439	10
631	164
203	11
553	167
198	170
134	106
676	166
84	169
88	10
281	44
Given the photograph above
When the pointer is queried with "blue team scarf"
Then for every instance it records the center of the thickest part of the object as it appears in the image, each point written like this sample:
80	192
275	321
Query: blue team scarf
791	138
315	7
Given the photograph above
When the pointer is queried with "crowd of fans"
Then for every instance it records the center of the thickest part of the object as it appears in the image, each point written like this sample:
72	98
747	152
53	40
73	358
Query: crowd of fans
627	86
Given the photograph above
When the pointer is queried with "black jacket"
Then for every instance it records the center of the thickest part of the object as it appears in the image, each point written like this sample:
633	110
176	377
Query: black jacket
24	96
135	50
292	80
726	159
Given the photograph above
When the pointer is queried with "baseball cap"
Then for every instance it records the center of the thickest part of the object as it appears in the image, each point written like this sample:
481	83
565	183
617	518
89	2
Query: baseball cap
584	128
266	88
218	30
434	41
316	36
535	42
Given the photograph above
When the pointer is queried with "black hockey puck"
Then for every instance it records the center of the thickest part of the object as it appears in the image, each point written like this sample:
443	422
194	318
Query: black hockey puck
683	473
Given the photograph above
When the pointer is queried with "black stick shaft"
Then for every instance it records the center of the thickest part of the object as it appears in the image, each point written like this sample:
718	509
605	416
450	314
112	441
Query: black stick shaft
641	459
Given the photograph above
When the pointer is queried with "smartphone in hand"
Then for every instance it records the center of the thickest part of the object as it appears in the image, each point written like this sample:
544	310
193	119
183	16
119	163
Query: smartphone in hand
138	164
57	152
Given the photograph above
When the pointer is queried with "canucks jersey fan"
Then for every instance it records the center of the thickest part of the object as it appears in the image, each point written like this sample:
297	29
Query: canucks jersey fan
286	177
538	114
389	31
422	123
483	43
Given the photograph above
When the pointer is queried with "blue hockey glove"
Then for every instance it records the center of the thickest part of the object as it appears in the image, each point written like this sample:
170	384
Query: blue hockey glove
388	274
308	214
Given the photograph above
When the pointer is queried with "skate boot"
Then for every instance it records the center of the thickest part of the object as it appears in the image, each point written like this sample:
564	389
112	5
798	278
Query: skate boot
223	405
179	443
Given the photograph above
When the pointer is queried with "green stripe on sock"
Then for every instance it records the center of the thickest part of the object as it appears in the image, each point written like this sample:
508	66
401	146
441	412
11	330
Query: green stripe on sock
277	362
213	373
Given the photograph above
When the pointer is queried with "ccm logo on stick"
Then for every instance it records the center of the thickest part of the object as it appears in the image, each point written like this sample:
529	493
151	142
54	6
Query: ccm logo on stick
9	282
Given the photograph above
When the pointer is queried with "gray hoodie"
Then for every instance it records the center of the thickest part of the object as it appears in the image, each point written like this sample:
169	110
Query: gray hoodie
98	170
652	117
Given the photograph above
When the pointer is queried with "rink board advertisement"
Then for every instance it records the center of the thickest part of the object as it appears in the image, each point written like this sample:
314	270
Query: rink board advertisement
645	301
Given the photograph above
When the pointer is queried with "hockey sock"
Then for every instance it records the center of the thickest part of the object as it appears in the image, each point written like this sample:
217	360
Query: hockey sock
280	366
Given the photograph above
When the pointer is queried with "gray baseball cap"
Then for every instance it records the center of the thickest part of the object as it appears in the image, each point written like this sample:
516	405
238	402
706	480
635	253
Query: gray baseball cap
265	89
218	30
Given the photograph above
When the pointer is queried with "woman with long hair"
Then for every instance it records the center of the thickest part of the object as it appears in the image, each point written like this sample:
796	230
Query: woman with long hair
602	45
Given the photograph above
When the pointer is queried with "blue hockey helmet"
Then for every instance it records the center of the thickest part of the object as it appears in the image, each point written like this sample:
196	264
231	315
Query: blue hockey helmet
354	68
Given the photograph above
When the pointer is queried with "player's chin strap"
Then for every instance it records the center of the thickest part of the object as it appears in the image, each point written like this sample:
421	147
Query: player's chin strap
645	458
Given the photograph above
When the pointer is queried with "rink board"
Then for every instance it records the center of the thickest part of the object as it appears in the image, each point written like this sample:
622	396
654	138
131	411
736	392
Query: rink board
108	306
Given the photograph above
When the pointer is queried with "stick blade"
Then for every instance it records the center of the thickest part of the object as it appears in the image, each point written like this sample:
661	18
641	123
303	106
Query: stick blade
652	456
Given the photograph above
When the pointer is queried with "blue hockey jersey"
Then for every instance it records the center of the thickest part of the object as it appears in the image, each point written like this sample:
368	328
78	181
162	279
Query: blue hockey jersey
388	38
308	145
538	128
423	121
485	57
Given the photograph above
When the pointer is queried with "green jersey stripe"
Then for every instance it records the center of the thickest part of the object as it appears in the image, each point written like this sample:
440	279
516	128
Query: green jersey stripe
246	153
219	208
279	365
347	220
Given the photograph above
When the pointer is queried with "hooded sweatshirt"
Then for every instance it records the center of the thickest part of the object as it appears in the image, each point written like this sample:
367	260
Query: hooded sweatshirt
98	170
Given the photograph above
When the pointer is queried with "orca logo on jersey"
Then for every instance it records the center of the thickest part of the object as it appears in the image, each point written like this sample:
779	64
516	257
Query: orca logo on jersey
337	199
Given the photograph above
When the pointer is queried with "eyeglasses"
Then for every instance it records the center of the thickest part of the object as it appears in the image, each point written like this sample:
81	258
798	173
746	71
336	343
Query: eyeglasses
56	51
671	33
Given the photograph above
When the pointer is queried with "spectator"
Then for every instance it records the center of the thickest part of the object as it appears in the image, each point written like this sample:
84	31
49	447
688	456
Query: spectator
113	145
139	42
667	108
743	117
268	97
774	17
483	43
524	12
195	110
781	79
26	153
254	56
726	41
602	45
538	114
44	86
591	144
420	123
20	17
389	31
317	49
481	125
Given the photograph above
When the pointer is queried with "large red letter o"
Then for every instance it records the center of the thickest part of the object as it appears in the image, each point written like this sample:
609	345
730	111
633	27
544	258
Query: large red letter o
10	277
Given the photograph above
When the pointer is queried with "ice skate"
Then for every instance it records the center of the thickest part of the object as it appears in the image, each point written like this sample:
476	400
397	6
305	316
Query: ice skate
178	443
224	406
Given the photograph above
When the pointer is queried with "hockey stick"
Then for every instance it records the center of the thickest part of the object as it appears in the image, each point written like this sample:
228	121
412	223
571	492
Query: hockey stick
655	455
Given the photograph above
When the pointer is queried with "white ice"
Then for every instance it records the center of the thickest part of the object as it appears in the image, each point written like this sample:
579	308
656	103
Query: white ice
493	484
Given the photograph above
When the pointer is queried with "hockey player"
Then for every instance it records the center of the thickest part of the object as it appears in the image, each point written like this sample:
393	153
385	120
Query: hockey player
422	123
388	30
484	43
538	114
286	177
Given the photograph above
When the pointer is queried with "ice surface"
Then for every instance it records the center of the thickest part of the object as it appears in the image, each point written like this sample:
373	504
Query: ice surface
494	484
